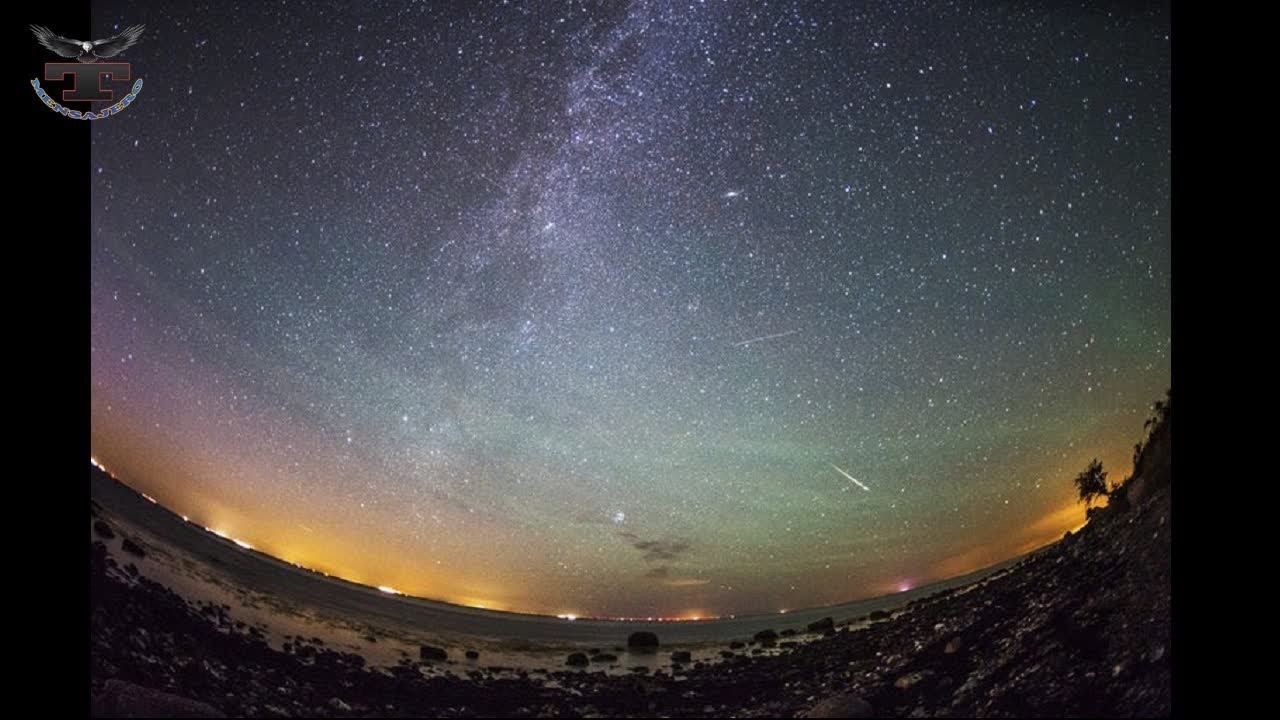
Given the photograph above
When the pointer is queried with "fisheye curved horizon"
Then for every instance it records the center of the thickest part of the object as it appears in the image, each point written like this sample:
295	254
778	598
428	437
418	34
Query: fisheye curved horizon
676	312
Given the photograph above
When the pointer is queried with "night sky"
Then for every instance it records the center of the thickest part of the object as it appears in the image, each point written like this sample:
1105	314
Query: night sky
631	309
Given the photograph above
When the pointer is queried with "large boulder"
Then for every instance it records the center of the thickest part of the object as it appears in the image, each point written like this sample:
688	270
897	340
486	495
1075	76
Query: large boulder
132	548
428	652
821	626
767	638
642	641
125	700
577	660
681	656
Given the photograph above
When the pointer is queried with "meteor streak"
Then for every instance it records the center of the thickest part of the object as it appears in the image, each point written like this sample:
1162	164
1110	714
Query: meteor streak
765	337
852	479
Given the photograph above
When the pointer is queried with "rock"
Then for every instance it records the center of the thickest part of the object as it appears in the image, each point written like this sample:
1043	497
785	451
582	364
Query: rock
473	655
576	660
338	705
769	635
124	699
878	615
132	547
682	656
427	652
821	626
642	640
726	654
737	645
103	529
953	646
907	681
842	706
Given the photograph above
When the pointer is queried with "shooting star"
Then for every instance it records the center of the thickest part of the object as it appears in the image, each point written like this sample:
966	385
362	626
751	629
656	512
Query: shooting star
765	337
852	479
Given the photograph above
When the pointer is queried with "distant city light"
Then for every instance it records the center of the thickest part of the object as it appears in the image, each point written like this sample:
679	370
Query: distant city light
225	536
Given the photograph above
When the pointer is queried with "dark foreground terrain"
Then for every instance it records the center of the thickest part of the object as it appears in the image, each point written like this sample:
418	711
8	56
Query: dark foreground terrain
1080	628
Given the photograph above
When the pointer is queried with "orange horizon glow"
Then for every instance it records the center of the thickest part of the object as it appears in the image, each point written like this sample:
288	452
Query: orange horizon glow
1044	531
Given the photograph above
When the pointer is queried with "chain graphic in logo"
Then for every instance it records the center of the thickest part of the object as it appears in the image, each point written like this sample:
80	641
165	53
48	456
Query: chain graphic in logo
90	79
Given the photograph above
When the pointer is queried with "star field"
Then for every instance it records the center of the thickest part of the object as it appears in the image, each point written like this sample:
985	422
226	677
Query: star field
632	308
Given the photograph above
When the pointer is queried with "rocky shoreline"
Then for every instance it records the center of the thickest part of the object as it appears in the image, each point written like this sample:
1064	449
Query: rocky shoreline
1081	627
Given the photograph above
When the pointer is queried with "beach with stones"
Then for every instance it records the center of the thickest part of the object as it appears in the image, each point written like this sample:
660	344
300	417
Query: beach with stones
1079	627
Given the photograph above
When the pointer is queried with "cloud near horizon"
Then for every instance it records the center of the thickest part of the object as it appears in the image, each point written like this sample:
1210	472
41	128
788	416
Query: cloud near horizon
656	550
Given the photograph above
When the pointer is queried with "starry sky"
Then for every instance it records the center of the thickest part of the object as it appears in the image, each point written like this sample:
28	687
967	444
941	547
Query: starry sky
631	308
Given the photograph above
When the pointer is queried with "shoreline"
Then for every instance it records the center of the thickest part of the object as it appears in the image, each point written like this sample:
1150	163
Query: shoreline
1079	627
165	526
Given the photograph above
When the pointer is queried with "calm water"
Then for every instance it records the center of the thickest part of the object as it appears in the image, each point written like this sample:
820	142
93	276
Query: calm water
289	601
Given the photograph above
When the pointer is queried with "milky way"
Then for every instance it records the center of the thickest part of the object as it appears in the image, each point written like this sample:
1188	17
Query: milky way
594	309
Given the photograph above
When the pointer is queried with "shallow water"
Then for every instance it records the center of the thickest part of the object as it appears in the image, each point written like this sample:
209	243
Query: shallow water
286	601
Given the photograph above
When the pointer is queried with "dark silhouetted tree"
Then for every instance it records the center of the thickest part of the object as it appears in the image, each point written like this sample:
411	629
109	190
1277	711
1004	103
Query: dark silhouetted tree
1092	483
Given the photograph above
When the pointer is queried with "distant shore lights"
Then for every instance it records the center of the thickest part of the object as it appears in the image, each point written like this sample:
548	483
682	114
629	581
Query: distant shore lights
225	536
